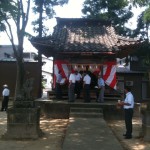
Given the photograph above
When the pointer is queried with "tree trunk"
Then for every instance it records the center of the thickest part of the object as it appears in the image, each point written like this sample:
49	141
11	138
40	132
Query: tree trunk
19	78
39	53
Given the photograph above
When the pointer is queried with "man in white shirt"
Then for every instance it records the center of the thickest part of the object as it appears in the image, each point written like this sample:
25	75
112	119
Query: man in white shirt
101	87
86	87
128	105
58	89
5	94
71	94
78	84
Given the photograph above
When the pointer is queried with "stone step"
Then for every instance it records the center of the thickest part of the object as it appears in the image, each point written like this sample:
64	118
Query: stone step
81	109
93	99
86	115
84	112
107	96
86	105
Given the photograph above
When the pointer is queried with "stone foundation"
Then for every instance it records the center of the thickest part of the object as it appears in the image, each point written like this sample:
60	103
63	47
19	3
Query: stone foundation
146	125
23	123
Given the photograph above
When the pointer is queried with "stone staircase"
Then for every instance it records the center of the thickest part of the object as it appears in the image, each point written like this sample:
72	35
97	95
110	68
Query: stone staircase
107	96
84	112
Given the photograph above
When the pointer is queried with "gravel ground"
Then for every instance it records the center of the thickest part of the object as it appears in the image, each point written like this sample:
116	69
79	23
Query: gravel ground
54	132
52	139
136	143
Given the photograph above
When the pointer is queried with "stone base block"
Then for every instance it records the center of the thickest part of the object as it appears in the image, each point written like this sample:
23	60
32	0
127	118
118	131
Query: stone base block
146	133
23	123
146	125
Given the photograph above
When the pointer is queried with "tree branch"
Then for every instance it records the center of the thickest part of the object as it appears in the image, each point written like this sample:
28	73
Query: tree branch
18	19
11	38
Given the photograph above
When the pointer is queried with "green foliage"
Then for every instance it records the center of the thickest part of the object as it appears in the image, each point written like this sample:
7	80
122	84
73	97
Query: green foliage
140	31
143	21
118	11
8	10
143	24
140	3
146	17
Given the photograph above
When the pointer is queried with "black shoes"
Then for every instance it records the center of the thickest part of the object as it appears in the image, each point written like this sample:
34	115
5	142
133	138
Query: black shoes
127	137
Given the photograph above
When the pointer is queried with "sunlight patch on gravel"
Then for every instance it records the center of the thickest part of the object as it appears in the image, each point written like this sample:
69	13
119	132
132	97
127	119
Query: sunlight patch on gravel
136	143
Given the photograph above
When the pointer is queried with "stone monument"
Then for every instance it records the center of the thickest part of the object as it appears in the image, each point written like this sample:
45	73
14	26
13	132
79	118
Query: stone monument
23	118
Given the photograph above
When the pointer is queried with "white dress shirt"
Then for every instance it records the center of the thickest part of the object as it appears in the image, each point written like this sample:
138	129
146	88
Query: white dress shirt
72	78
129	99
101	82
6	92
78	77
87	79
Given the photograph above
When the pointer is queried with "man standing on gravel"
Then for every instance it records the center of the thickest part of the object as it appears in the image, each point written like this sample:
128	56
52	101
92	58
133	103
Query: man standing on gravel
5	94
128	105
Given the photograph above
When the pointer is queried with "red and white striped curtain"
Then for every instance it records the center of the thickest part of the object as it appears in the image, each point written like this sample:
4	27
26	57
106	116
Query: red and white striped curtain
63	66
109	74
109	71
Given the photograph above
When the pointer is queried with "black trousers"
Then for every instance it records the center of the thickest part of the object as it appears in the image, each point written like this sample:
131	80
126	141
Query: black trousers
87	93
78	87
128	121
58	91
5	103
71	95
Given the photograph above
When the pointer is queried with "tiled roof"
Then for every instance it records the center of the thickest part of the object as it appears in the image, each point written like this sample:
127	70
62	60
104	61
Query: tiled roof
80	35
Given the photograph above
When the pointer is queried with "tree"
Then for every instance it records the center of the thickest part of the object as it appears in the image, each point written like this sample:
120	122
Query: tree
143	21
142	30
45	9
15	11
143	25
117	11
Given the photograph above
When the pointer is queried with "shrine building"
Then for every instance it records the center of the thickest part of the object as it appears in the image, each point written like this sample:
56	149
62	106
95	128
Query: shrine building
92	44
